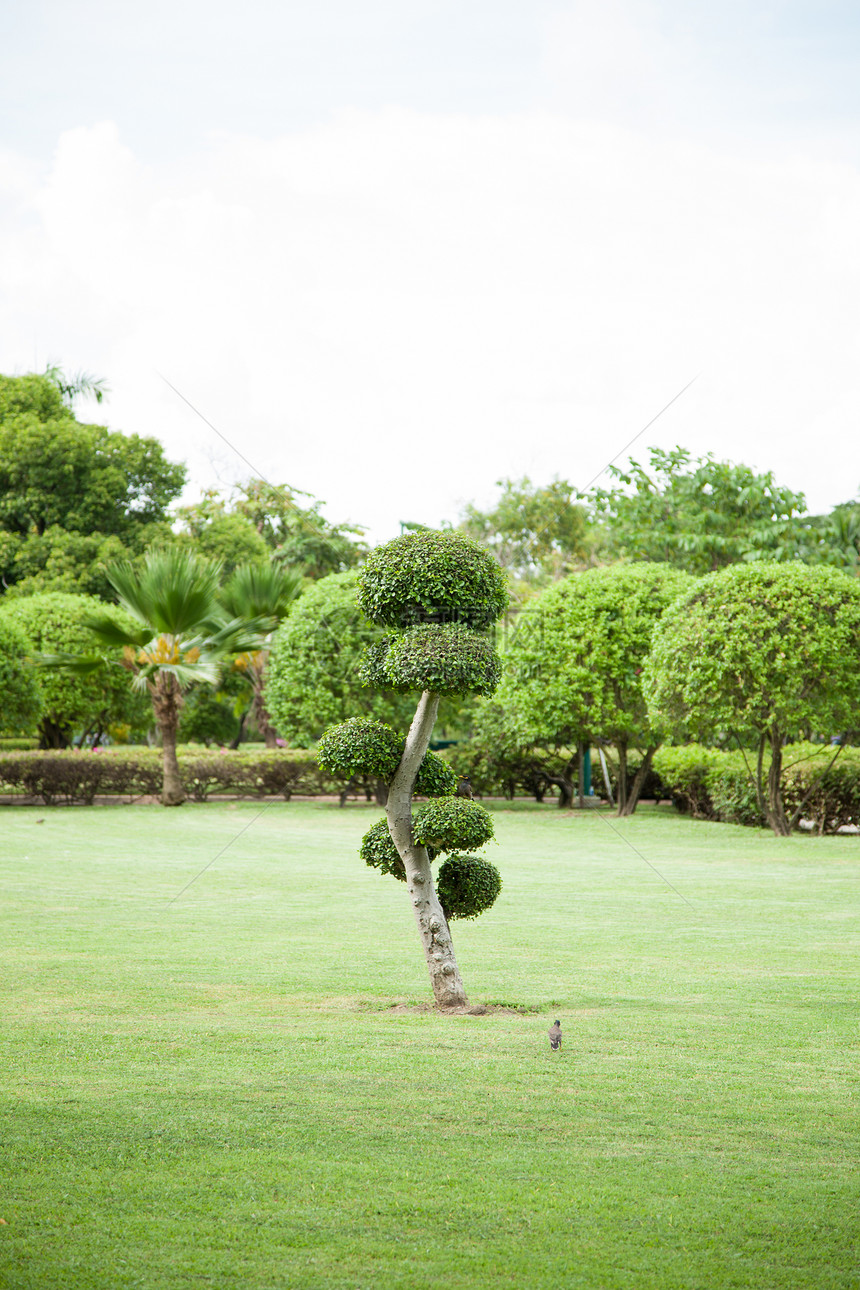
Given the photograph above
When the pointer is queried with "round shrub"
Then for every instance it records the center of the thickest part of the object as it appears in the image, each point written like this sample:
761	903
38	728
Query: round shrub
453	823
447	659
364	746
467	885
378	850
360	746
432	577
435	777
54	622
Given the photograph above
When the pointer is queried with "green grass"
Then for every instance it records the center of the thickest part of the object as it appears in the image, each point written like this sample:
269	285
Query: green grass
219	1092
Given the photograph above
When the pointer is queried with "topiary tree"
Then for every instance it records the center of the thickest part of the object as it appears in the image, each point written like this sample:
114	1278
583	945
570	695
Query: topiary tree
764	650
573	671
437	594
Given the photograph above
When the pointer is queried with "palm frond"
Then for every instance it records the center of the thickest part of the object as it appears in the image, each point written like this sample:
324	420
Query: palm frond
110	632
79	664
256	590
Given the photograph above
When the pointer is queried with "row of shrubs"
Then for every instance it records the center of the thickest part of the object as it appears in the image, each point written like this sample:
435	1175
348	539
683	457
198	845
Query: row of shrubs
711	784
82	775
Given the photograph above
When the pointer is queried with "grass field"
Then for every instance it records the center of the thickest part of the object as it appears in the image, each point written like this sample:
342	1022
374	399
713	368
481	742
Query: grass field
241	1085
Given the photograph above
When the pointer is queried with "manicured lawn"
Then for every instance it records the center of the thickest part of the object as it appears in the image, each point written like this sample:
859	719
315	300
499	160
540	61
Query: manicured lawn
218	1091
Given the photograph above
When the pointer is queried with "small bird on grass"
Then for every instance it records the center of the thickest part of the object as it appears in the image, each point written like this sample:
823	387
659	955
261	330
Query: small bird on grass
555	1035
464	788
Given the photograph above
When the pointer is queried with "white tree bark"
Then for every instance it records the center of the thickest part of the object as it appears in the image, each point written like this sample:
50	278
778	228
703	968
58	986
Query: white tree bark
445	976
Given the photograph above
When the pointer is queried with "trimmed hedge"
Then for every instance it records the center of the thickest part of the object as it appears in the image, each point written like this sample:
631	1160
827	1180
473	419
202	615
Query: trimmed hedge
81	775
711	784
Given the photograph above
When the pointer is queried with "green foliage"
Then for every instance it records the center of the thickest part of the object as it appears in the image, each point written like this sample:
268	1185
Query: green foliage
533	532
258	590
74	706
20	697
762	647
360	746
312	679
467	886
378	850
370	749
700	514
573	668
295	536
81	775
209	714
435	777
60	560
715	784
430	576
230	540
84	478
453	824
448	659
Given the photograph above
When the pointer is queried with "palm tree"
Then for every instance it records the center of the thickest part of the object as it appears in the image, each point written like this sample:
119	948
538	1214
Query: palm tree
253	592
184	636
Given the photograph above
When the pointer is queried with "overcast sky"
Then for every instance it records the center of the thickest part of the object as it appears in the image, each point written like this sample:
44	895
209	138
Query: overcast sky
397	250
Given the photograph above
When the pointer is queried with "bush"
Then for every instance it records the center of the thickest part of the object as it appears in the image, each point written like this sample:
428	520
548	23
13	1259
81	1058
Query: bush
81	775
712	784
467	885
683	771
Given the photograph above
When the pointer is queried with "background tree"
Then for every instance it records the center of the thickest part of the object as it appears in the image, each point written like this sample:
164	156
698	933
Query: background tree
766	650
253	592
536	533
296	536
20	698
74	708
700	514
212	530
176	634
436	594
71	494
86	478
572	673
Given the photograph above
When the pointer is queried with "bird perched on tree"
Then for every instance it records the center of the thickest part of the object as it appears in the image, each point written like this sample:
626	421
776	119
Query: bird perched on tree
555	1035
464	788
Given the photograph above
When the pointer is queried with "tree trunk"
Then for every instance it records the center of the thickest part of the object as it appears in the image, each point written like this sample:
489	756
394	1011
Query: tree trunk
635	792
776	816
445	978
768	790
261	715
621	746
166	703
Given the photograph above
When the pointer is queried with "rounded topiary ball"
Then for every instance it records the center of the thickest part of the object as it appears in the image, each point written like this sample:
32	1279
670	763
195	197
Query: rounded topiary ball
360	746
453	823
378	850
435	777
432	576
448	659
467	885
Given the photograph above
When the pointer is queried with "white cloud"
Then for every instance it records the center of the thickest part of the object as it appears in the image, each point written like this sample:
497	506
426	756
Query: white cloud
396	309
